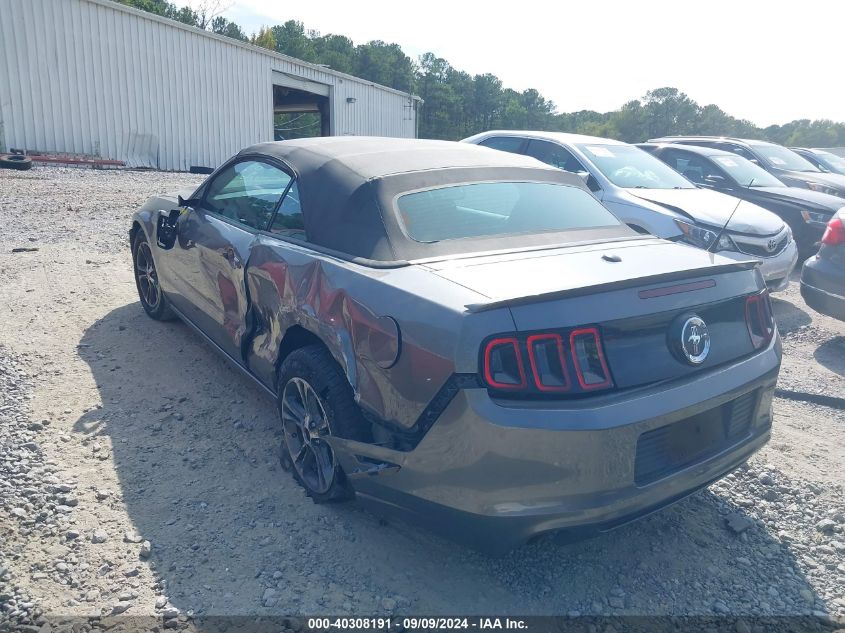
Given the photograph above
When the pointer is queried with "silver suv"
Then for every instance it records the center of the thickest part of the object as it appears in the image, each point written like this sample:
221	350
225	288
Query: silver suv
653	198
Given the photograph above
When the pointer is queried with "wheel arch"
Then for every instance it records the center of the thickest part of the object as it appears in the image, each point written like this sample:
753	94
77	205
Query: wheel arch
139	226
136	226
297	337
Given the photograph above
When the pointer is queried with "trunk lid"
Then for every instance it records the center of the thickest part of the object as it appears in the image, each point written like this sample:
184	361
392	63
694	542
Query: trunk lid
525	276
637	302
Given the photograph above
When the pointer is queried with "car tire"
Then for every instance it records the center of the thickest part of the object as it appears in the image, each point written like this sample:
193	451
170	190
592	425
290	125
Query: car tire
15	161
310	375
152	299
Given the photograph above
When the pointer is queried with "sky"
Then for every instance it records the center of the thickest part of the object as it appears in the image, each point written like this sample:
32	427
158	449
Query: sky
769	62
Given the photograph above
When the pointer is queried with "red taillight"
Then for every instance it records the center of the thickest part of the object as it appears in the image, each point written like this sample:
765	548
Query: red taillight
541	363
503	366
834	234
759	319
548	362
587	354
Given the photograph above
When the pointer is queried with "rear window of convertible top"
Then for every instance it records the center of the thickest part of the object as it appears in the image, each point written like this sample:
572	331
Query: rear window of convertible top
485	209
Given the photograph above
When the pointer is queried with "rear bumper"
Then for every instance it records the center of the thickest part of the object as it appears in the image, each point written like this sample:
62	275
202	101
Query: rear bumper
823	287
492	475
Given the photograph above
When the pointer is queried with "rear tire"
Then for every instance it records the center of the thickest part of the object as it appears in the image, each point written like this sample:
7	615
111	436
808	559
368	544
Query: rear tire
315	401
153	301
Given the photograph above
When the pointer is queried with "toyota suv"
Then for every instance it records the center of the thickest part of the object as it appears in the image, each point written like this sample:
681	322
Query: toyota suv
652	198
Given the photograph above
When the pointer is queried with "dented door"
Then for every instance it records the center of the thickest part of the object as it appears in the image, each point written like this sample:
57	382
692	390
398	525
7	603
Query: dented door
240	201
219	250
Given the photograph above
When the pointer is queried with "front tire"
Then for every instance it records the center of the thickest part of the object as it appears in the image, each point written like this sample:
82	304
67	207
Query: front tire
315	402
153	301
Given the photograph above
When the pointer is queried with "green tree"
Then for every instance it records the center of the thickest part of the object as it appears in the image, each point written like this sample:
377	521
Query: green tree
668	111
158	7
442	115
336	51
291	39
385	64
222	26
486	101
264	38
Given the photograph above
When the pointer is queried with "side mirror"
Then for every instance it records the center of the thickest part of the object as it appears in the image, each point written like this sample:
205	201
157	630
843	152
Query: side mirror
167	227
187	202
716	180
589	180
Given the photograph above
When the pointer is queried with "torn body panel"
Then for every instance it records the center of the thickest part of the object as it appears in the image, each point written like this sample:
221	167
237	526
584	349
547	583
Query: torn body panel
395	347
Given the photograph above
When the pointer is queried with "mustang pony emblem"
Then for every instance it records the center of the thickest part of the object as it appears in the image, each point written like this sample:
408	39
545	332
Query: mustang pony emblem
694	340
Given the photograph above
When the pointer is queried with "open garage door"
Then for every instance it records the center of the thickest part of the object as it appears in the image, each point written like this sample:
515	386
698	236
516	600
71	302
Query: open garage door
300	107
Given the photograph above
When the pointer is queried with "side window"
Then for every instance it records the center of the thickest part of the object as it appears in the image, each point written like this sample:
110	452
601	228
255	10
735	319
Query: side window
288	220
247	192
560	157
510	144
554	155
694	168
815	161
675	159
740	151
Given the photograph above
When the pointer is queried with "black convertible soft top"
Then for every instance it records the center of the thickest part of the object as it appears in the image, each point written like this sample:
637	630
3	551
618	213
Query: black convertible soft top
347	188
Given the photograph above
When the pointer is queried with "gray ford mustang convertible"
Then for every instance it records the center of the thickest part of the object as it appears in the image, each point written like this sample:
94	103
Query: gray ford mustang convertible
464	336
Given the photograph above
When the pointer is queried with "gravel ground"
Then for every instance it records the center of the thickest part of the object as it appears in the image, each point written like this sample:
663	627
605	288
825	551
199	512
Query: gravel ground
139	473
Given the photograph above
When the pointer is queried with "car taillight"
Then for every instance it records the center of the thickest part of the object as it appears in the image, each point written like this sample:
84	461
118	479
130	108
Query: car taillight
548	362
541	363
759	319
834	234
587	353
503	366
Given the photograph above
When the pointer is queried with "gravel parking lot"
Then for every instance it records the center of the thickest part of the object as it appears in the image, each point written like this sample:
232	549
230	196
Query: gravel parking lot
139	475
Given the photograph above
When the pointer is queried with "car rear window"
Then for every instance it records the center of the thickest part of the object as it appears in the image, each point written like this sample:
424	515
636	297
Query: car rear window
487	209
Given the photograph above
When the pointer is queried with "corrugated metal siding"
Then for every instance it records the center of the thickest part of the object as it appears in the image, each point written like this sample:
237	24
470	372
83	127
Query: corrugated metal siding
90	77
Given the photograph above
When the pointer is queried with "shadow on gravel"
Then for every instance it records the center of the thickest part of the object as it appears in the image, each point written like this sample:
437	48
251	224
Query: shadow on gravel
831	354
789	317
194	444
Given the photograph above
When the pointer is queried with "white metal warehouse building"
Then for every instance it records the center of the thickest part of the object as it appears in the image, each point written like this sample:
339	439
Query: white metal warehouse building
96	78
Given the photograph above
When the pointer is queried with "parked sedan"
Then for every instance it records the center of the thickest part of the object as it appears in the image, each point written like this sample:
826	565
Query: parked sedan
806	212
652	198
783	163
464	336
824	160
823	276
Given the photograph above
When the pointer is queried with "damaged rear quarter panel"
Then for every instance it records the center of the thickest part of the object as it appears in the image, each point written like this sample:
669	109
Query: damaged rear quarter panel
394	331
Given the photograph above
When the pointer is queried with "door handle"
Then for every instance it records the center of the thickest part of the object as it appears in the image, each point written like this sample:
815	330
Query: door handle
232	257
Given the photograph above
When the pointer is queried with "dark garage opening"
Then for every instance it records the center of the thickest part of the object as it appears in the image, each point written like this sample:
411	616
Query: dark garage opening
299	114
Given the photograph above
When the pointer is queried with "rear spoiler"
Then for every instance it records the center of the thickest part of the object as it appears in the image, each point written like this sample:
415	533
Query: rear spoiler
622	284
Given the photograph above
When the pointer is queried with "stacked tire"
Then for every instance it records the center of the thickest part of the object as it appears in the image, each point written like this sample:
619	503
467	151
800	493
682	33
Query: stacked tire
15	161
